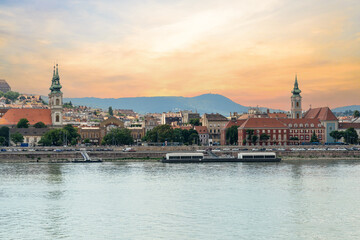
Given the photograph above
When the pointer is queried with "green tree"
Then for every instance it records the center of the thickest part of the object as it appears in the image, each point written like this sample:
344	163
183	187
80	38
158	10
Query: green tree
4	132
2	140
12	96
71	134
195	122
58	137
254	139
232	135
249	132
39	125
160	133
86	140
264	137
1	93
118	136
337	135
314	138
17	138
356	114
111	113
350	136
23	123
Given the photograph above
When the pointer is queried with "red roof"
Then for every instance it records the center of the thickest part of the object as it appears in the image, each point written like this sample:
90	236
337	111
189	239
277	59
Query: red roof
237	122
12	116
277	115
263	123
201	129
349	125
323	114
303	121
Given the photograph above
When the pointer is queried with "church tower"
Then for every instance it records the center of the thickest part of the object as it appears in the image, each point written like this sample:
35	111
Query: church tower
296	111
56	99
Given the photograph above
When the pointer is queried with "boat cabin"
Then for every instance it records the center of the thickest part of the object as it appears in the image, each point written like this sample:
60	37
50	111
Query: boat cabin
258	155
184	156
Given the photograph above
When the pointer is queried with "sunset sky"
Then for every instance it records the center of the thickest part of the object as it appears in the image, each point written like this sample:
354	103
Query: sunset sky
248	51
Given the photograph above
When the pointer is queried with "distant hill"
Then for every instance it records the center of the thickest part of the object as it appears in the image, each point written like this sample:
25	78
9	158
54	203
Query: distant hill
206	103
346	108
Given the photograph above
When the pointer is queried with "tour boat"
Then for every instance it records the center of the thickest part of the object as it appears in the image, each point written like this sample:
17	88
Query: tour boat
200	157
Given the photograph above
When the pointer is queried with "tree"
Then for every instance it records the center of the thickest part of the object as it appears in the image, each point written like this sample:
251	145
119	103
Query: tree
337	135
4	132
232	135
17	137
111	113
71	134
59	137
314	138
10	95
118	136
250	132
195	122
39	125
2	140
86	140
254	139
350	136
23	123
1	93
160	133
356	114
264	137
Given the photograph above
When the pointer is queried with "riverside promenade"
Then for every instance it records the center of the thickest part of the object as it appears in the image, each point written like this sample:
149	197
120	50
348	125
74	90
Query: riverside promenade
142	153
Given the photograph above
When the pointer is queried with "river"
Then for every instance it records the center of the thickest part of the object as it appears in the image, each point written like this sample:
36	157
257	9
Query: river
151	200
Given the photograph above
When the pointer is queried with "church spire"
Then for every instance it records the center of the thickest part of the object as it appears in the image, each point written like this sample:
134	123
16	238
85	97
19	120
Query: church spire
55	84
296	90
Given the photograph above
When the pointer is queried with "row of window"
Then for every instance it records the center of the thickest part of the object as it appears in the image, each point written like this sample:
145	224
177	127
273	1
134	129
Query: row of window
218	125
306	131
301	125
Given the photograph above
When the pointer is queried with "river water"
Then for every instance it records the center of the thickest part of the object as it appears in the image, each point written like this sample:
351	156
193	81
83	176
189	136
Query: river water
137	200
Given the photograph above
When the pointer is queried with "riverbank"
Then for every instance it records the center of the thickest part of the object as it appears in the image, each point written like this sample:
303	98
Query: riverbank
150	156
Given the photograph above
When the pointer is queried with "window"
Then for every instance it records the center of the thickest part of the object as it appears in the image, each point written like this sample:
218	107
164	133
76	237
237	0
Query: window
57	101
57	118
295	125
297	115
297	104
301	125
290	125
312	125
268	131
306	125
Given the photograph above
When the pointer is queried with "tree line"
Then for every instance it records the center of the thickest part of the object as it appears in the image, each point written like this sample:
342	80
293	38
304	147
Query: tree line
164	133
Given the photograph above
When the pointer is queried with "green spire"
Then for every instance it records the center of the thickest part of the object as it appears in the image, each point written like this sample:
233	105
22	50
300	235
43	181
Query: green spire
55	85
296	90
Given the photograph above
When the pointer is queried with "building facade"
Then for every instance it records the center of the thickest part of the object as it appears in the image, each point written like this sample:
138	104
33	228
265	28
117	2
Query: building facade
301	130
214	124
203	135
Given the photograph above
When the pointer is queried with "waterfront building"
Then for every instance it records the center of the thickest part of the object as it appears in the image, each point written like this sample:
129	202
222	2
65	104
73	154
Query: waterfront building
203	135
4	86
31	135
296	111
214	124
268	131
56	99
301	130
327	119
151	122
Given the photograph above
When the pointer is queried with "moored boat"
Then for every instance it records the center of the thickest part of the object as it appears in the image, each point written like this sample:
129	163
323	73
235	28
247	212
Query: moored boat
200	157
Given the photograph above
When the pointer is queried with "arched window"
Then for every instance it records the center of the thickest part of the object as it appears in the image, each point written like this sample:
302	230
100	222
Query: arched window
57	101
301	125
290	125
297	104
297	115
57	118
295	125
312	125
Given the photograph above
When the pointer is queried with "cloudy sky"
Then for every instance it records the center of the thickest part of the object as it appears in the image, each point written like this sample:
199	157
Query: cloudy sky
248	51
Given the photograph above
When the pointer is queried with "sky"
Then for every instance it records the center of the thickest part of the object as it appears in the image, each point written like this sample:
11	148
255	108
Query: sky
248	51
